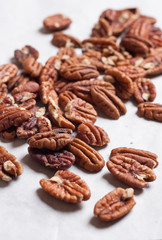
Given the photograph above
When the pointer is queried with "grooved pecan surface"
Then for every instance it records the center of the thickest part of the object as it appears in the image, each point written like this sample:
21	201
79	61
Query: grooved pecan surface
28	128
86	157
15	81
65	53
92	135
107	102
24	96
30	86
9	165
65	98
7	71
64	40
102	29
57	22
140	27
28	104
153	65
132	71
129	171
25	52
135	61
44	124
115	204
32	67
152	111
55	160
47	92
66	186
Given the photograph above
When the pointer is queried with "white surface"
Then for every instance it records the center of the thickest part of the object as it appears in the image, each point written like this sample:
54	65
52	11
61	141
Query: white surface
26	211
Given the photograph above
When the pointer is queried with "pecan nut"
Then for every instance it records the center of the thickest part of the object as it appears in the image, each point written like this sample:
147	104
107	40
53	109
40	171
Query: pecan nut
32	67
140	27
21	55
115	204
66	186
64	40
152	111
57	22
24	96
132	71
65	53
102	29
86	157
29	86
28	128
9	165
7	71
153	65
44	124
3	93
15	81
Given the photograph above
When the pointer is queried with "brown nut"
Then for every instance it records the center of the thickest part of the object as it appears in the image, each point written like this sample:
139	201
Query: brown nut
135	61
140	27
9	165
86	157
115	204
132	71
153	65
9	134
65	53
92	135
28	128
62	85
65	98
24	96
54	160
30	86
19	79
7	71
107	102
3	92
21	55
129	171
152	111
44	124
102	29
28	104
32	67
64	40
57	22
66	186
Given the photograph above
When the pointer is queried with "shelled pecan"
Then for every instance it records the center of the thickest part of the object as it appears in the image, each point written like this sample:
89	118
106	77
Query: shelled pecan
153	65
65	98
135	61
7	71
32	67
152	111
140	27
102	28
26	51
29	86
64	40
57	22
24	96
9	134
65	53
132	71
44	124
27	128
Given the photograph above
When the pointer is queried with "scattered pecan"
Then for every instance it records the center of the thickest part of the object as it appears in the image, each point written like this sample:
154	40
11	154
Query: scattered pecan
140	27
21	55
92	135
32	67
19	79
9	165
24	96
57	22
65	98
107	102
153	65
47	92
86	157
129	171
102	29
66	186
9	134
156	37
7	71
135	61
115	204
152	111
146	158
65	53
30	86
55	160
63	40
62	85
44	124
132	71
144	90
28	128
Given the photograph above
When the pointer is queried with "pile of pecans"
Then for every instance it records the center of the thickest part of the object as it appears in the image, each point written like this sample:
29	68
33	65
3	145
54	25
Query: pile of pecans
71	95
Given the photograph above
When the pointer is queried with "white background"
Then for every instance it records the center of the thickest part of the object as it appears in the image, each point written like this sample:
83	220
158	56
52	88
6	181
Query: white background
26	211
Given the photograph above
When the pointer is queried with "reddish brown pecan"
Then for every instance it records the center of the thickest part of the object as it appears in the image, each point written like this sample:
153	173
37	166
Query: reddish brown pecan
135	61
65	53
102	29
152	111
32	67
7	71
19	79
151	19
107	102
65	98
44	124
3	92
92	135
146	158
9	134
115	204
132	71
24	96
66	186
57	22
46	92
140	27
153	65
63	40
55	160
21	55
28	128
62	85
129	171
30	86
9	165
86	157
144	90
28	104
156	37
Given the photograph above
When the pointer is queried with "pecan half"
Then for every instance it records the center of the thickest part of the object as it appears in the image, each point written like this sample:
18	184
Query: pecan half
140	27
55	160
44	124
107	102
24	96
115	204
64	40
62	85
15	81
65	98
57	22
32	67
29	86
7	71
3	92
135	61
152	111
9	165
102	29
92	135
28	128
21	55
153	65
66	186
86	157
65	53
28	104
132	71
129	171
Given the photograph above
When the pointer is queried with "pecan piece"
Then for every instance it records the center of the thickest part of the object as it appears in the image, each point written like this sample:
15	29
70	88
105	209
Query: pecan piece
64	40
28	104
86	157
57	22
24	96
129	171
153	65
28	128
21	55
54	160
65	53
44	124
152	111
9	165
3	93
29	86
140	27
144	90
107	102
7	71
115	204
132	71
102	29
50	140
66	186
15	81
32	67
92	135
135	61
9	134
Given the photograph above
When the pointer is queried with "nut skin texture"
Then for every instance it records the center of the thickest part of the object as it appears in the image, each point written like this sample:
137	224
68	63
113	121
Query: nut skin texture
144	90
66	186
57	22
86	157
64	40
112	206
54	160
132	71
65	53
32	67
7	71
107	102
44	124
21	55
153	65
151	111
27	129
24	96
129	171
92	135
15	81
9	165
102	29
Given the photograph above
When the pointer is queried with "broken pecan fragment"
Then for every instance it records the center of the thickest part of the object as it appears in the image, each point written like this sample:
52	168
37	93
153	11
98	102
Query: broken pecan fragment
28	128
66	186
65	53
44	124
64	40
9	165
86	157
152	111
9	134
24	96
54	160
29	86
57	22
7	71
92	135
132	71
153	65
102	29
21	55
32	67
115	204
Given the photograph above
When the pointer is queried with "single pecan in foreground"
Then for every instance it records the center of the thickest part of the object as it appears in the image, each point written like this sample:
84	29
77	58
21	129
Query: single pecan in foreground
21	55
7	71
152	111
115	204
66	186
86	157
129	171
144	90
57	22
32	67
146	158
9	165
64	40
92	135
